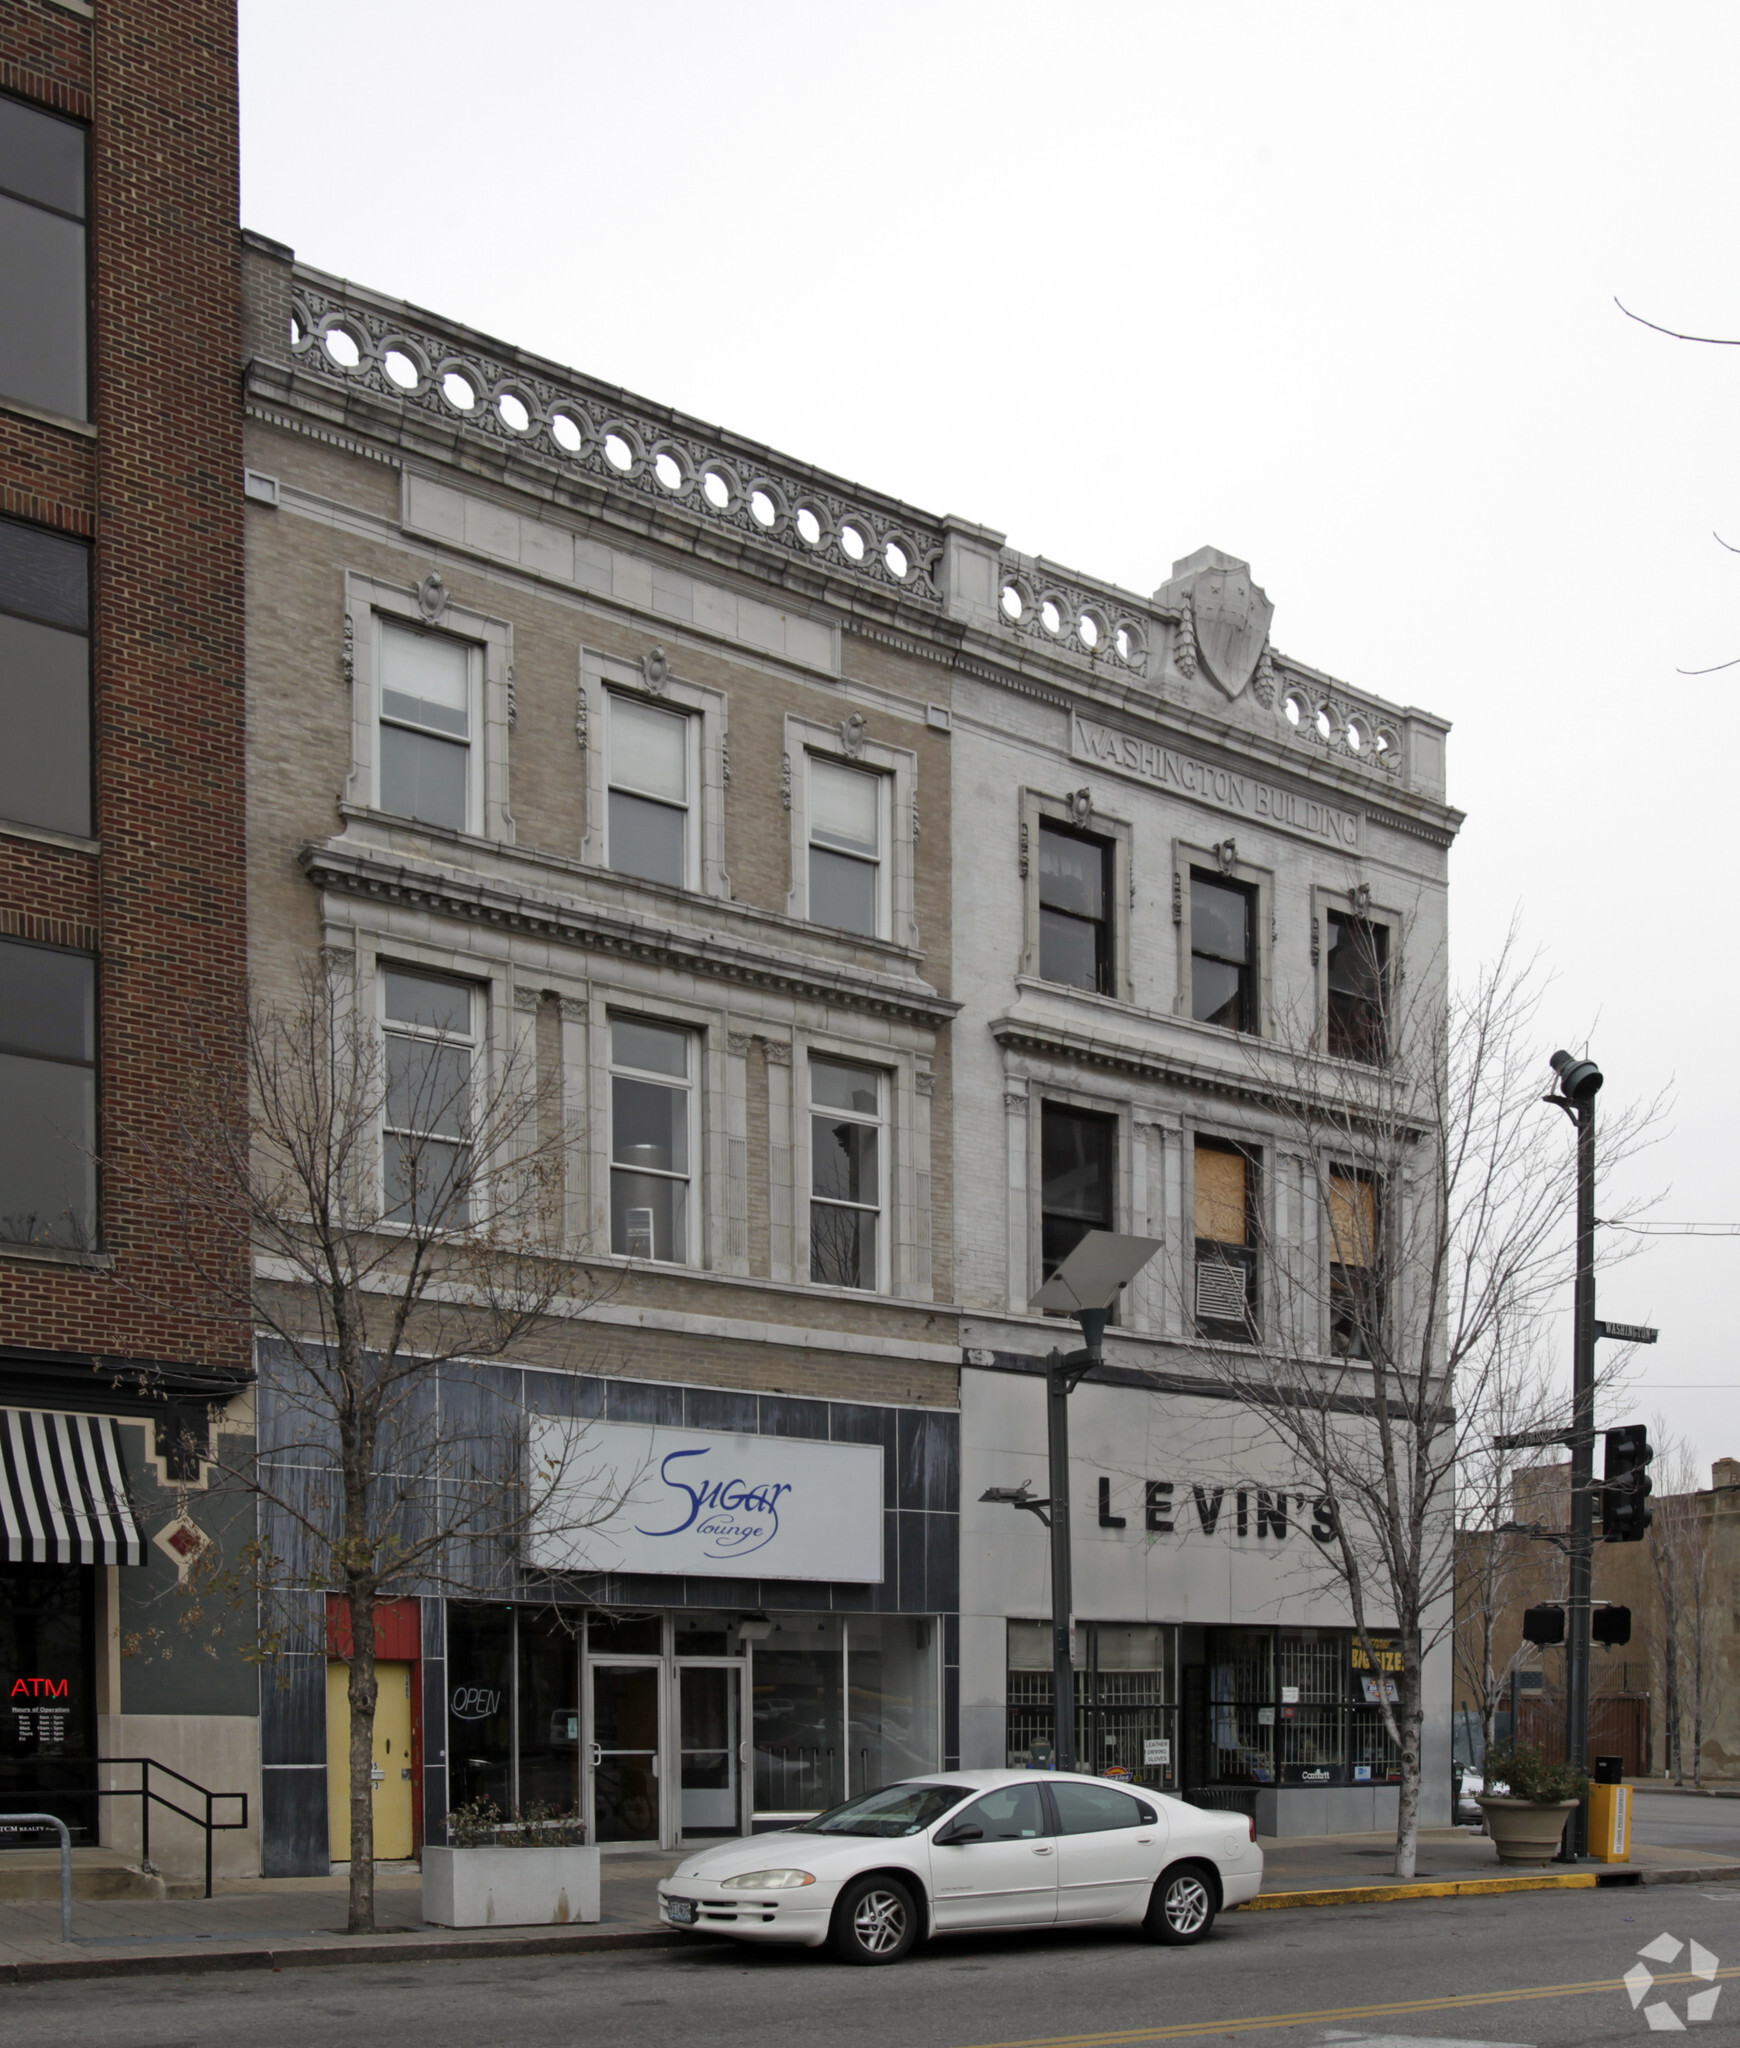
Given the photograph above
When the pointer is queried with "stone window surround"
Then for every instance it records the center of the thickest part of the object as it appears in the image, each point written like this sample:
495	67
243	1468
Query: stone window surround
603	674
848	744
718	1087
1188	854
1036	805
495	1047
906	1165
368	599
1324	899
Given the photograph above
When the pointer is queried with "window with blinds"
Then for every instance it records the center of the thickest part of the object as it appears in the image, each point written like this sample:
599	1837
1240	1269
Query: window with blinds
1226	1258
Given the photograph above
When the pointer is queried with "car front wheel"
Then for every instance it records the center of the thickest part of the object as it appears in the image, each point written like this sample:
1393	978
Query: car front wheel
1182	1908
875	1921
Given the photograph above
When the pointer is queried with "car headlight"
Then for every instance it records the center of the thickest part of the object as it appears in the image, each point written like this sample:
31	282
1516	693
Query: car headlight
767	1881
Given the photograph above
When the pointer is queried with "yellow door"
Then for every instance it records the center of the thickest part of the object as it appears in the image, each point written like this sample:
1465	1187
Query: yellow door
395	1789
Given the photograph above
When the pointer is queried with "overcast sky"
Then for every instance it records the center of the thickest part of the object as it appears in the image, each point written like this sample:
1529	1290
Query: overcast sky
1330	287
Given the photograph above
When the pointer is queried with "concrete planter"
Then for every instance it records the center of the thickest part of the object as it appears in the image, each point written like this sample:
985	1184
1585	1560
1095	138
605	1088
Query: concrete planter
1522	1831
510	1887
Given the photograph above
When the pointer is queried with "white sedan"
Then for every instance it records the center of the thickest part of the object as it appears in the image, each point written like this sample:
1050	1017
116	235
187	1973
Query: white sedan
966	1850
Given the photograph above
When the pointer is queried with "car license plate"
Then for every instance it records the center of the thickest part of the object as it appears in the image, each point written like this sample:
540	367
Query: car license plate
681	1912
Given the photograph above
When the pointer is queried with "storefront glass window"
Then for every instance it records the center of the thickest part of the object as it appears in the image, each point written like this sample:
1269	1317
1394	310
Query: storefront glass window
1291	1707
892	1718
47	1670
480	1721
549	1710
1125	1701
800	1738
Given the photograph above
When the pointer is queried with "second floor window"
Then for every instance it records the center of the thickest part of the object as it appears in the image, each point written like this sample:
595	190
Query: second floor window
431	1041
1355	1297
650	776
45	680
48	1096
651	1139
846	1174
1222	989
1359	971
847	879
43	323
426	727
1077	1153
1226	1258
1075	894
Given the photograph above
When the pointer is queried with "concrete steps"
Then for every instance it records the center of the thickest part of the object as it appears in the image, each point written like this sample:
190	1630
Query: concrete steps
32	1877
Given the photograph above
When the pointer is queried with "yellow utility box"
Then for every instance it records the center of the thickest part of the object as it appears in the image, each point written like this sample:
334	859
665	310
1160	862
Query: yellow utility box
1610	1823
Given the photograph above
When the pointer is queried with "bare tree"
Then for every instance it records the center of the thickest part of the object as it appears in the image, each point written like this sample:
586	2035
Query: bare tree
1419	1223
1683	1645
1496	1567
393	1202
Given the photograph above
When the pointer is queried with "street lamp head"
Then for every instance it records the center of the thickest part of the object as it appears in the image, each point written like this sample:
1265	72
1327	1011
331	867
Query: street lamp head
1007	1496
1094	1274
1579	1080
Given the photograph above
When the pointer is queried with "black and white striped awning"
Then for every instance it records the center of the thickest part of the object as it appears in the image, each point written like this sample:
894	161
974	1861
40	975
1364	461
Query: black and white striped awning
63	1499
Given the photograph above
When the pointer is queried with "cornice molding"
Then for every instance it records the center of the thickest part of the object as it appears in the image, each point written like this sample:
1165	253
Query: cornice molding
360	872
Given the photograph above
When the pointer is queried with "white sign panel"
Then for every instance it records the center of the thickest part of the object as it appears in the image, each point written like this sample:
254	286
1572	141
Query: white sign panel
628	1497
1156	1749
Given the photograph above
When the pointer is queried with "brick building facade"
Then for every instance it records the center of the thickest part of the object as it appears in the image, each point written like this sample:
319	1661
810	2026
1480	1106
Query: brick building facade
122	954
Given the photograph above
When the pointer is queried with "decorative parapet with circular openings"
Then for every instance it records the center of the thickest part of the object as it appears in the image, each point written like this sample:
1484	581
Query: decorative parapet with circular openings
359	346
1032	600
1339	724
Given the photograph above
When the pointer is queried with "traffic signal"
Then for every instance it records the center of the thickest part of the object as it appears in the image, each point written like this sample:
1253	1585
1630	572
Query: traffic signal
1626	1486
1610	1626
1544	1626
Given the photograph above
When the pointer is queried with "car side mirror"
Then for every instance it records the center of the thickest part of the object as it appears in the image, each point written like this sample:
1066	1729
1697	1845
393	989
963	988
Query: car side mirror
959	1831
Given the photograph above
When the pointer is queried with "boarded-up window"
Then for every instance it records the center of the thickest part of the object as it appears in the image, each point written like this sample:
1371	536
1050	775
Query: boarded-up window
1226	1264
1355	1282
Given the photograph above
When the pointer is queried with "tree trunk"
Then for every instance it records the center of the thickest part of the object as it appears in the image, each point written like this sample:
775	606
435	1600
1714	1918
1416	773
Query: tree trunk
1408	1795
363	1693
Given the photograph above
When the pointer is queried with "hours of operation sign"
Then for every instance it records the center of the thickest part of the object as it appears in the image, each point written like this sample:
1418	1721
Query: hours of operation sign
628	1497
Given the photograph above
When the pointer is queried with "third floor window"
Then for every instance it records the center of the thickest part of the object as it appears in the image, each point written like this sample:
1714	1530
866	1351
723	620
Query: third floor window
847	868
1222	976
1075	895
44	315
428	720
45	680
651	780
1358	987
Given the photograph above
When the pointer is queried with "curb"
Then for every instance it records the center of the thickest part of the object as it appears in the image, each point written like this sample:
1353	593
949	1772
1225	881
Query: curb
1616	1877
206	1962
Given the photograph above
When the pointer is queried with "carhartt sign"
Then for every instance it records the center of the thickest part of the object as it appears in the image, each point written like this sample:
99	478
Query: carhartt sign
1244	795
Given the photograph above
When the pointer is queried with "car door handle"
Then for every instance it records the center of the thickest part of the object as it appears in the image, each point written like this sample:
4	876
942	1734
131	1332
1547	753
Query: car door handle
1042	1848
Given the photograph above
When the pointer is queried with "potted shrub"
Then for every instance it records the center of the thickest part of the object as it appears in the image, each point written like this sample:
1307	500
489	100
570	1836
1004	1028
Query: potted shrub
535	1869
1527	1801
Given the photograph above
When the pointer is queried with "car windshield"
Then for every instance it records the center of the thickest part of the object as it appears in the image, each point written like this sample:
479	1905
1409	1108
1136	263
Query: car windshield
895	1810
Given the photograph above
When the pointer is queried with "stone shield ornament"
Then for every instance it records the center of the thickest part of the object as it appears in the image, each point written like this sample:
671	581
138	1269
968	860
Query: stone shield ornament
1232	625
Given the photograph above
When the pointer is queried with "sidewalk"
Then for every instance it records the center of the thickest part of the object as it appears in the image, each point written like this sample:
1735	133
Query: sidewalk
278	1923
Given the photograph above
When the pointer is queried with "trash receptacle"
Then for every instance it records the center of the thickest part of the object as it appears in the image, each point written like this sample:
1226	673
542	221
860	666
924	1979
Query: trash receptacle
1610	1812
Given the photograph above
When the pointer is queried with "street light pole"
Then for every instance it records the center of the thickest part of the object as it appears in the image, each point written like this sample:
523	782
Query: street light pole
1579	1084
1086	1284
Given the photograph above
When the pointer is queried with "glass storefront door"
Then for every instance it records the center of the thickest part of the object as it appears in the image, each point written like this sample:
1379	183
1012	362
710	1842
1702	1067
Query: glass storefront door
709	1738
625	1752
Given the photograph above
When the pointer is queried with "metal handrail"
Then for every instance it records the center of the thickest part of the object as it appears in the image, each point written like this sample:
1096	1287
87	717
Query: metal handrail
12	1820
147	1796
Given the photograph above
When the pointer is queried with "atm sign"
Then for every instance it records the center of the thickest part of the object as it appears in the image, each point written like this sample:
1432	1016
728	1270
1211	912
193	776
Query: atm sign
39	1688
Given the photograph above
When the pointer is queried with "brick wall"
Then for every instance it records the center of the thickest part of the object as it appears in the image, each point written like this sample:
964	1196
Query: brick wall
158	489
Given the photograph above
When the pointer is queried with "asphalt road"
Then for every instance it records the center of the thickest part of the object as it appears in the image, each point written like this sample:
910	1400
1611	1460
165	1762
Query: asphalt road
1298	1977
1680	1821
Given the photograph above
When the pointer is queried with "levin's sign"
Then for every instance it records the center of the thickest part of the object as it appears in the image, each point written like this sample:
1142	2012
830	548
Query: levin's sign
629	1497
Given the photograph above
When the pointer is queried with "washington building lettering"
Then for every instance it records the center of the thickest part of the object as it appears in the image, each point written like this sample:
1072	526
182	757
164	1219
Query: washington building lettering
1225	788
